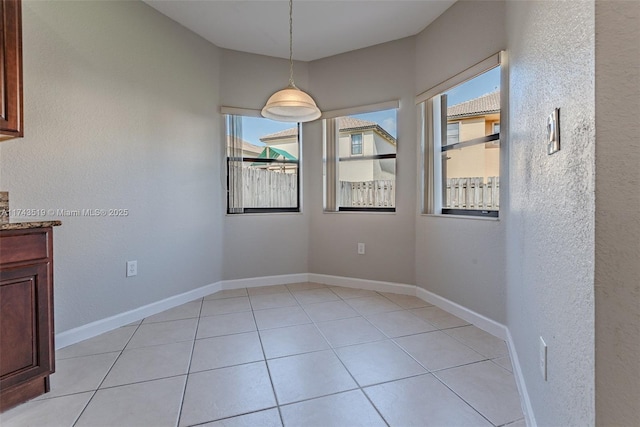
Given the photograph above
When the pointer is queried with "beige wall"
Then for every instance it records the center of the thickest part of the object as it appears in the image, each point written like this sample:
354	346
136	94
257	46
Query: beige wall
461	259
119	114
339	82
617	221
249	80
551	206
108	124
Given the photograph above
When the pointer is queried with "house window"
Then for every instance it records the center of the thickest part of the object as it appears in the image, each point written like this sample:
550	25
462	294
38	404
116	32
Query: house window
263	168
461	143
356	144
360	159
453	133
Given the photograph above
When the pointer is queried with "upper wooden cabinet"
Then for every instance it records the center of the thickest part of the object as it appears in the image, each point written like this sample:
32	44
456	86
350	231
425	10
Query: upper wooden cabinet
10	69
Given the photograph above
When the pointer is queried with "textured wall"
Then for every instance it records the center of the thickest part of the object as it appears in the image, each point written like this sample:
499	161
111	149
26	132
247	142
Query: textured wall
550	216
617	250
263	244
380	73
461	259
119	102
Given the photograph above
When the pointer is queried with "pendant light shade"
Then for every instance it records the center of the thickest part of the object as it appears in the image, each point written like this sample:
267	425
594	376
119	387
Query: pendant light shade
291	104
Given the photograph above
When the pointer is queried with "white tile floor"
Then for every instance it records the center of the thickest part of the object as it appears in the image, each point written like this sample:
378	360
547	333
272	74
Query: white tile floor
296	355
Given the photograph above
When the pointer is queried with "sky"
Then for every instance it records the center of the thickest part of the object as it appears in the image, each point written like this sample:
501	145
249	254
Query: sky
478	86
255	127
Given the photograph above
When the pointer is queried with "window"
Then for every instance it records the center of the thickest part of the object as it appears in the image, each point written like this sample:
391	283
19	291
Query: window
356	144
453	133
360	159
462	164
263	169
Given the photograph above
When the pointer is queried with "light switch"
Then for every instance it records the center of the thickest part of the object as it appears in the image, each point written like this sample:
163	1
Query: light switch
553	132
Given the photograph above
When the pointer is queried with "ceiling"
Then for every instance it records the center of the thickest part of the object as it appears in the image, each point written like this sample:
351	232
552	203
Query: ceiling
321	28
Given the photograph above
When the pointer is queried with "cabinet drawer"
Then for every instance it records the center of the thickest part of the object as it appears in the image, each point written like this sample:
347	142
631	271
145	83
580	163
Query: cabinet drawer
25	245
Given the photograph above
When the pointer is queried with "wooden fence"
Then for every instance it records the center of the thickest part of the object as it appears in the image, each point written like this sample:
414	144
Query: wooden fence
263	188
472	193
368	194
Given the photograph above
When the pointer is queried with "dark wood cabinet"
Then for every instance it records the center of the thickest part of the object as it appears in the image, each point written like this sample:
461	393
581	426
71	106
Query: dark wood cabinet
10	69
26	314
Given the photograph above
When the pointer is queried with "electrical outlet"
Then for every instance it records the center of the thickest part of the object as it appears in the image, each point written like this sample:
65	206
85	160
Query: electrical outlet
543	359
360	248
132	268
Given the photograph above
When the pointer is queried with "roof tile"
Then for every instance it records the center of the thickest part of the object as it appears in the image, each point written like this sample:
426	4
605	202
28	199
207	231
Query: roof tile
489	103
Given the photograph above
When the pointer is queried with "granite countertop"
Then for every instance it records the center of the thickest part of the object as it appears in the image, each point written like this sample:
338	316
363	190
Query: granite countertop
28	224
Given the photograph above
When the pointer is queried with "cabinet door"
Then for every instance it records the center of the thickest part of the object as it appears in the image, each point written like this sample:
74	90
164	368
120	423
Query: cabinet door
25	324
10	69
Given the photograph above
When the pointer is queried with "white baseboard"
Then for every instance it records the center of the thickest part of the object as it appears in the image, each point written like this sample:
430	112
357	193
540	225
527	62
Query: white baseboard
101	326
496	329
527	409
253	282
370	285
491	326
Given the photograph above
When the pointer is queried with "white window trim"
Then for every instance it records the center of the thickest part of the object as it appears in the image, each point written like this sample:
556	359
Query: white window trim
471	72
330	155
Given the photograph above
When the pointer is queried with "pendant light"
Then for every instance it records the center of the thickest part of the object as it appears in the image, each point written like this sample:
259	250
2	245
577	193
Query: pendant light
291	104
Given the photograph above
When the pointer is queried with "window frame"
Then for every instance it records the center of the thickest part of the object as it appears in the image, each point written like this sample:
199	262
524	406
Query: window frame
361	144
430	106
331	157
228	112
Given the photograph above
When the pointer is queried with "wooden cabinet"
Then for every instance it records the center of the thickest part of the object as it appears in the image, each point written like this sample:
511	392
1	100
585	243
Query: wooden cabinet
10	69
26	314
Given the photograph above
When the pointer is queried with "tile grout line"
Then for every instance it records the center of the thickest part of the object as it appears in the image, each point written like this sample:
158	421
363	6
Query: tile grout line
360	388
186	380
105	376
460	397
264	355
279	405
433	373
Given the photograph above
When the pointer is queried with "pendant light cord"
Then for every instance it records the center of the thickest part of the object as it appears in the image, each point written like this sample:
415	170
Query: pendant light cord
291	83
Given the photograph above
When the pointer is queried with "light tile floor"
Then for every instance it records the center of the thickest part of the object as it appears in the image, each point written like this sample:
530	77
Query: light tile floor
297	355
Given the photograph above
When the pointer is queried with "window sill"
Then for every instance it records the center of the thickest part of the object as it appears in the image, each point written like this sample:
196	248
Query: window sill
359	212
261	214
471	217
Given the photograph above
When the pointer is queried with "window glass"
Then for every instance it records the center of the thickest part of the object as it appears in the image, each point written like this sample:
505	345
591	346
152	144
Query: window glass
466	153
356	143
453	133
263	165
365	153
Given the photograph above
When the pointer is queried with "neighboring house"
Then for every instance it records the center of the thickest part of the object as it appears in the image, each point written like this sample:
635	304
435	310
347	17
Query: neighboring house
282	145
248	149
285	140
469	120
359	139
